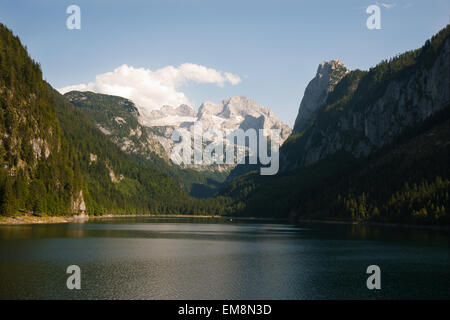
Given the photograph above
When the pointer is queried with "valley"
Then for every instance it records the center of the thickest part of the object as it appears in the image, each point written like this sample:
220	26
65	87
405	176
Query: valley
97	154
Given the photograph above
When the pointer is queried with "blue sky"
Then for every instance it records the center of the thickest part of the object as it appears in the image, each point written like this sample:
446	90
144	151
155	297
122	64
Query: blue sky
273	46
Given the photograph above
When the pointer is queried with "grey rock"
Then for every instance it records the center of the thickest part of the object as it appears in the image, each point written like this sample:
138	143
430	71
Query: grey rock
327	76
404	103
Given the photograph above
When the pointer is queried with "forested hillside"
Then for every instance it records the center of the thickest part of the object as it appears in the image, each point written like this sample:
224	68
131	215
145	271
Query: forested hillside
405	182
366	110
39	170
117	118
377	149
56	161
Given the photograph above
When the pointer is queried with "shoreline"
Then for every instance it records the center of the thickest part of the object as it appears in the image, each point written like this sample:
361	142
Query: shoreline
27	219
107	216
20	220
112	216
30	220
377	224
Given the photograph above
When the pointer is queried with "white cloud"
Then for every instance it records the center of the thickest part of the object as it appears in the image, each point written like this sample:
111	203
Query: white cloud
150	90
234	79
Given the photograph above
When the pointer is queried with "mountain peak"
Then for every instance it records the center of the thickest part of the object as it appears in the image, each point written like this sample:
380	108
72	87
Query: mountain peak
209	108
332	63
328	74
185	111
239	106
332	71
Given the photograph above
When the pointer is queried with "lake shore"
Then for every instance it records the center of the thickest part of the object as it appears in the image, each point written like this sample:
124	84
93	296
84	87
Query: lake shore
376	224
28	219
40	220
113	216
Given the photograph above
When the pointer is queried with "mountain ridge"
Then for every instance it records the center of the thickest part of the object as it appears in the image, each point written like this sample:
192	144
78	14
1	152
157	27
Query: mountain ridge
328	74
152	136
375	150
336	166
229	114
117	118
56	161
367	109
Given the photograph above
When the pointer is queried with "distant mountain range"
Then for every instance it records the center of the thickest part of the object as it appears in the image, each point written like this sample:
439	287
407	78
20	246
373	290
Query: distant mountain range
231	114
120	120
117	119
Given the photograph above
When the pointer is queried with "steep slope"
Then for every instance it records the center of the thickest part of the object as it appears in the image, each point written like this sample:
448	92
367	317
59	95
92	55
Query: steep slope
120	121
405	182
117	118
170	116
115	182
118	182
232	114
39	171
367	110
316	93
240	113
377	149
56	161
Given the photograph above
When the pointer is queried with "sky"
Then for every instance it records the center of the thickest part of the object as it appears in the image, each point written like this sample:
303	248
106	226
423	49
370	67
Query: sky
169	52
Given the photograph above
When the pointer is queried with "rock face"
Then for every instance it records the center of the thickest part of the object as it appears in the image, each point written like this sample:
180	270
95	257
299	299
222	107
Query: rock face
169	115
120	120
117	118
231	114
367	110
78	204
316	93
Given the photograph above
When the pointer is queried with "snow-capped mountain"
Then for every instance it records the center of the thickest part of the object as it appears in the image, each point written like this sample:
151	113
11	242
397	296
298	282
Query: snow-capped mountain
231	114
150	133
170	116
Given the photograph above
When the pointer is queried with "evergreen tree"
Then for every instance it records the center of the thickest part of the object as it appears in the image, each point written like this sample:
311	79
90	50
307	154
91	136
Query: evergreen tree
8	202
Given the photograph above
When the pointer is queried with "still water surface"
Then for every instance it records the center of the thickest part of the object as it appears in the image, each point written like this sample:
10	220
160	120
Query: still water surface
171	258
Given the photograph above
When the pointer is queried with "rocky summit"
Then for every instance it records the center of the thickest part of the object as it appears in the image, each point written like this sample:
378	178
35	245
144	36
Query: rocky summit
234	113
231	114
150	135
361	111
316	93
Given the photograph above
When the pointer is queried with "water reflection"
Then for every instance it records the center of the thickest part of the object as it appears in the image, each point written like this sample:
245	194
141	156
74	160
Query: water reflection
156	258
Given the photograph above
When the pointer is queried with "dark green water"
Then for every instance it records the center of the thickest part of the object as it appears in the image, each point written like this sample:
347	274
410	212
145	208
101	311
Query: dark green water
154	258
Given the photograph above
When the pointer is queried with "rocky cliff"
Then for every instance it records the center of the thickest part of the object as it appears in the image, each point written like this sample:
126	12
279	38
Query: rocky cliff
117	118
316	93
365	111
231	114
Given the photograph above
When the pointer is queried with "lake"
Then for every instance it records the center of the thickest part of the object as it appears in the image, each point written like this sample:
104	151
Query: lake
206	258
